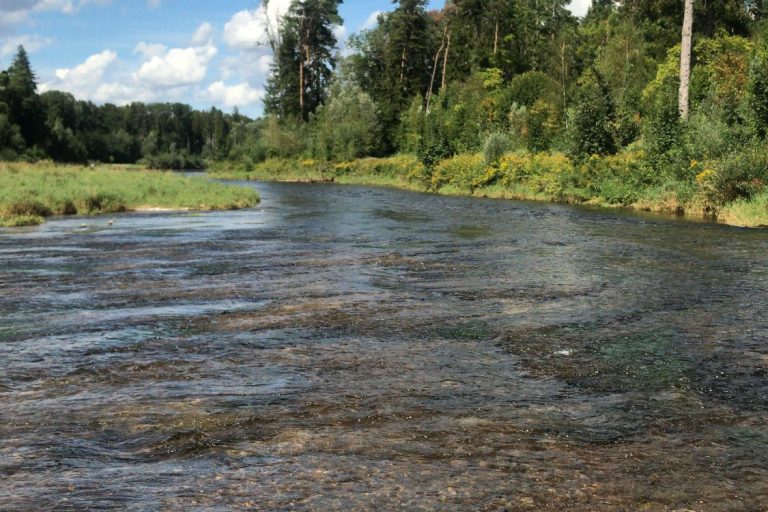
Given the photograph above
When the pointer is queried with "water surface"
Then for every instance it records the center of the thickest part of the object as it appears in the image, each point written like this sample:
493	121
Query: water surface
353	348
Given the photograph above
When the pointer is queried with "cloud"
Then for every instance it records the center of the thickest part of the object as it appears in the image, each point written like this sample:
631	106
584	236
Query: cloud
372	21
86	81
239	95
31	43
579	7
15	12
89	72
154	4
203	34
340	31
250	29
121	93
150	50
177	67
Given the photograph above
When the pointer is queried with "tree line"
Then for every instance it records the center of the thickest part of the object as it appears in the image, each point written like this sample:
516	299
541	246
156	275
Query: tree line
55	125
487	76
443	82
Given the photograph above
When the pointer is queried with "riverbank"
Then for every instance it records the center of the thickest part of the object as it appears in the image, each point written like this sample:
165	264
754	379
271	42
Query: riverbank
31	192
623	181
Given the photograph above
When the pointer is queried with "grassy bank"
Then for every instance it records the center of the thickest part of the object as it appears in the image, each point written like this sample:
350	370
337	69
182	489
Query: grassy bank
31	192
624	180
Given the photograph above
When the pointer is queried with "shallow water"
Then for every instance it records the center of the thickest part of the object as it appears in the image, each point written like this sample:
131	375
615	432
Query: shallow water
353	348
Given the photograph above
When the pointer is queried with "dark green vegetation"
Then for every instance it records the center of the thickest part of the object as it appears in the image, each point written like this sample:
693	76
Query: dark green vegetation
504	98
29	193
54	125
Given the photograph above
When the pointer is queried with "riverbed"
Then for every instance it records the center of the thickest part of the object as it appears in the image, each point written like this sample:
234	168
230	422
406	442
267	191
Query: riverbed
358	348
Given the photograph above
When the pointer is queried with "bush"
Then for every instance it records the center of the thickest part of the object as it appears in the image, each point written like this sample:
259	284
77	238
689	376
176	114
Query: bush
496	144
545	172
593	119
618	179
740	174
462	171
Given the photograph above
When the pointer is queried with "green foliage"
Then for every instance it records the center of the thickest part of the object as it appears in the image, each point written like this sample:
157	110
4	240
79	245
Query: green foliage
496	144
662	129
721	76
304	59
346	127
758	91
283	139
527	88
464	172
593	120
739	174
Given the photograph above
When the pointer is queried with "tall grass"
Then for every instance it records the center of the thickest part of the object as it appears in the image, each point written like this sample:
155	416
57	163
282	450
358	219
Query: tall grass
31	192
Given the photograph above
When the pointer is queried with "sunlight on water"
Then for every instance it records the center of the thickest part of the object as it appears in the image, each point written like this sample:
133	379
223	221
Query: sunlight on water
352	348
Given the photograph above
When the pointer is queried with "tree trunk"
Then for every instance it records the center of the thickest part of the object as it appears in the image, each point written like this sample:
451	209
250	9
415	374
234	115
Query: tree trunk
685	60
402	65
496	39
445	59
301	84
302	43
434	68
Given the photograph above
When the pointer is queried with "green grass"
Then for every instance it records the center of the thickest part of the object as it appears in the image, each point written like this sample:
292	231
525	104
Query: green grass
31	192
746	212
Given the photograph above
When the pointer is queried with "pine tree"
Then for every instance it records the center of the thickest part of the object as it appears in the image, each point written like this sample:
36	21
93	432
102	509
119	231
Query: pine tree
410	52
24	107
304	59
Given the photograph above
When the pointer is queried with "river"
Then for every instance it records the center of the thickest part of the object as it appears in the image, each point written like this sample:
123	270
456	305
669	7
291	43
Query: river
354	348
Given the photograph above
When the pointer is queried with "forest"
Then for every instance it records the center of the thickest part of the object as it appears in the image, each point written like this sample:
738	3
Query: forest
516	98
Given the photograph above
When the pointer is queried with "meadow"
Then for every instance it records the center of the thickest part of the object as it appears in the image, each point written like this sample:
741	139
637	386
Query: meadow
31	192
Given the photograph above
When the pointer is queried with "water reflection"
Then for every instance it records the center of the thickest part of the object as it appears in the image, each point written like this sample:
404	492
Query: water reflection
368	349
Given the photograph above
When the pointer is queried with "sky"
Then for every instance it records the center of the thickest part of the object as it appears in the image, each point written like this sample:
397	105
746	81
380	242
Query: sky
198	52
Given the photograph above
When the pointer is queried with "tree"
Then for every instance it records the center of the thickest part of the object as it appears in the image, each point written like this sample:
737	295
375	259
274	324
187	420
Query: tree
304	59
346	127
24	107
685	59
594	116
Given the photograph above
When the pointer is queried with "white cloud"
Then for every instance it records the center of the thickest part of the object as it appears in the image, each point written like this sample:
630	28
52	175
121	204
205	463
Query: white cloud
177	67
240	95
579	7
150	50
87	81
14	12
250	29
203	35
89	72
154	4
340	31
121	93
31	43
372	20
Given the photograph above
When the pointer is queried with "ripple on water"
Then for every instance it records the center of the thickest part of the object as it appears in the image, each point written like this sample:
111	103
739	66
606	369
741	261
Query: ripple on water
357	348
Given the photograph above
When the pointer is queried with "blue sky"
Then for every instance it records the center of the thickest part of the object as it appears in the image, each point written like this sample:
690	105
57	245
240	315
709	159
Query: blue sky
193	51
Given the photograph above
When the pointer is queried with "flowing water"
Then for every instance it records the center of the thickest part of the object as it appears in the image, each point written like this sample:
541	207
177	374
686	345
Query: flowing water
353	348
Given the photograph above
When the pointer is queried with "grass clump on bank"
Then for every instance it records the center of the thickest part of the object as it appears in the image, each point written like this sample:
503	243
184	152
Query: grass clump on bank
31	192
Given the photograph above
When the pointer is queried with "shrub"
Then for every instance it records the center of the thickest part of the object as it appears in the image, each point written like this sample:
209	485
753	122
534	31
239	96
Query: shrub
593	119
545	172
462	171
496	144
618	179
740	174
